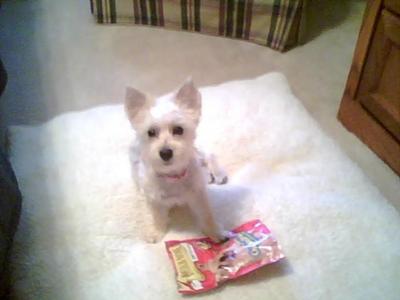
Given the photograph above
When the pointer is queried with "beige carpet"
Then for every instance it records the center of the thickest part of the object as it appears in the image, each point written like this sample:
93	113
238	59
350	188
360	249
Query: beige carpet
59	60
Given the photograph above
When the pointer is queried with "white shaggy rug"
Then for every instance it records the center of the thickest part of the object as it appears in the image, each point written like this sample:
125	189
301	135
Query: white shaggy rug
78	237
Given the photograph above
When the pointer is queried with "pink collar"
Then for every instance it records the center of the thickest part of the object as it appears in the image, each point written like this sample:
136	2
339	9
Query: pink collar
173	177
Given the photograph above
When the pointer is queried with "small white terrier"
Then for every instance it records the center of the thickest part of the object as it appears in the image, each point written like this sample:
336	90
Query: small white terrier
167	167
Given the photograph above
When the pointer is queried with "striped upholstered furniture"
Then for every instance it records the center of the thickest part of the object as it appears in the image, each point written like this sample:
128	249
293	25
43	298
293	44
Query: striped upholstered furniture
274	23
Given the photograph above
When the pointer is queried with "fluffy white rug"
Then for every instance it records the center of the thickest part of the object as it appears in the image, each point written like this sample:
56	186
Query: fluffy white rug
78	237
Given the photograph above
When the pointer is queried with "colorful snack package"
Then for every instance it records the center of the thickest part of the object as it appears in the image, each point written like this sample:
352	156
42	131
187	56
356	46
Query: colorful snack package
202	265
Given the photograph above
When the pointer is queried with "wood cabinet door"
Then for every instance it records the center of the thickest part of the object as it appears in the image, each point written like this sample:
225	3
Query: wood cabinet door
370	105
379	89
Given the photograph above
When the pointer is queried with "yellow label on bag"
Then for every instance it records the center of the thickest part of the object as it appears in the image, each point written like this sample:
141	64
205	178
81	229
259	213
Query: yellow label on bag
185	267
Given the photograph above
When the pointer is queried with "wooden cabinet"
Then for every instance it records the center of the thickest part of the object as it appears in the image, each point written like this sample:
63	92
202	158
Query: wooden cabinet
370	106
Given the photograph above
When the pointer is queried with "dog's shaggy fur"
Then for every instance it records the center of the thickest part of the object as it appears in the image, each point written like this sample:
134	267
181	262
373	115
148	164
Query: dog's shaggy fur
166	165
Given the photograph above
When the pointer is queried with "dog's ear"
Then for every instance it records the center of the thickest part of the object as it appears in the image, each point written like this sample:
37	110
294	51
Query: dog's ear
135	103
188	98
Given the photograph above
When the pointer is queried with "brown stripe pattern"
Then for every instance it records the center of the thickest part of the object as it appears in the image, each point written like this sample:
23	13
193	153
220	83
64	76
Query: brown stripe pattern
191	14
235	18
248	19
273	23
104	10
147	12
283	16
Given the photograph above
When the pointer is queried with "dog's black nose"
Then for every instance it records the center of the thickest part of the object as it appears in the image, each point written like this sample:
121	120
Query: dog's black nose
166	154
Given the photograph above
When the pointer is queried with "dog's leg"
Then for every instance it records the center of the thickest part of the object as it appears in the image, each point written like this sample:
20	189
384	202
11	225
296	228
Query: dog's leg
217	172
158	217
201	210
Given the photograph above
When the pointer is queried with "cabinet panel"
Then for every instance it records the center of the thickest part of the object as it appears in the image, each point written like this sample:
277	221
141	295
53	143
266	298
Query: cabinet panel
370	106
379	90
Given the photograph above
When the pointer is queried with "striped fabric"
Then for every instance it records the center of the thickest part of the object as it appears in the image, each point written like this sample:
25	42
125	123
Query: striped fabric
273	23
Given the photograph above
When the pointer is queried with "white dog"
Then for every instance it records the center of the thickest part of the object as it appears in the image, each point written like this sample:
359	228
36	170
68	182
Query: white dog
166	165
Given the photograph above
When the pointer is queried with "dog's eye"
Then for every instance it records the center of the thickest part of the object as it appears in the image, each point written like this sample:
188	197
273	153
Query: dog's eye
151	132
177	130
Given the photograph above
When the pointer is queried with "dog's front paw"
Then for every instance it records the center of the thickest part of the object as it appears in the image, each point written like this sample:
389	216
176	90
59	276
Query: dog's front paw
221	236
153	236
